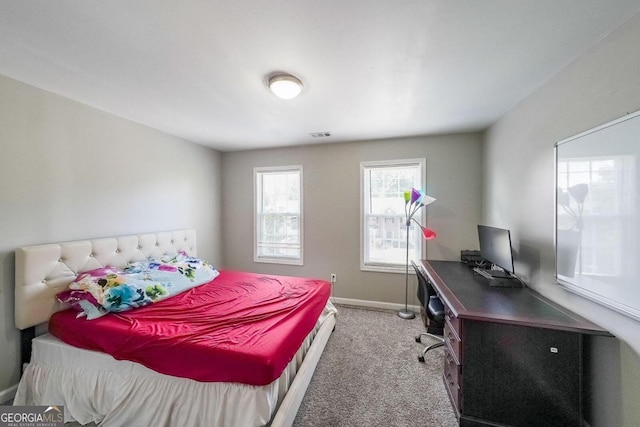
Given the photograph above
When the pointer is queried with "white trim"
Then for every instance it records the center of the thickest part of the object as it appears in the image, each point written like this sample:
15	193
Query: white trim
375	304
600	299
275	260
8	394
422	161
383	269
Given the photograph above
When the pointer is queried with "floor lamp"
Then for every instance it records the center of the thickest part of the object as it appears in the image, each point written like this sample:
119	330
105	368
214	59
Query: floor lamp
413	201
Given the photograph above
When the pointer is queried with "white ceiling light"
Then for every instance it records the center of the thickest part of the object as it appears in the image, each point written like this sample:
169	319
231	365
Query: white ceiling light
285	86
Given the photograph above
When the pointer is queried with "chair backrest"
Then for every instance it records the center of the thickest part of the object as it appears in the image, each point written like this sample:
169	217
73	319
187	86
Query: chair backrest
428	297
425	291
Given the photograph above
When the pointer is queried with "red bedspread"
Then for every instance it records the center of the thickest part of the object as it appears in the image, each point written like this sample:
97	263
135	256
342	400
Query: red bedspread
240	327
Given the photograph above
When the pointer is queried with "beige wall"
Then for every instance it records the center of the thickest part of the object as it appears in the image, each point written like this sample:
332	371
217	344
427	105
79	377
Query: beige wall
68	172
332	207
600	86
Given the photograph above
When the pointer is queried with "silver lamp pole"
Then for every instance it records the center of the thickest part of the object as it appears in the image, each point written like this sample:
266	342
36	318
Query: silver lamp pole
406	313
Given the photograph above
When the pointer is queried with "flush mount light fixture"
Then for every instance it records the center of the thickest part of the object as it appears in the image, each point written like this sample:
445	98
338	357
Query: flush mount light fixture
285	86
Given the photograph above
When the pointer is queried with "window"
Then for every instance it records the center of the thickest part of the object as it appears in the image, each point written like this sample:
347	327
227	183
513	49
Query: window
278	215
383	230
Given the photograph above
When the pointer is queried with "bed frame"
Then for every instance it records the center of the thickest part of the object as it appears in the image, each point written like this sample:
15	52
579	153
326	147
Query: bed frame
45	270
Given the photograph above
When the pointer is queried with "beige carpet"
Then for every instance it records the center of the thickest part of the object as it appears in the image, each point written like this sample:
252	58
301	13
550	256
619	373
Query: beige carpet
369	375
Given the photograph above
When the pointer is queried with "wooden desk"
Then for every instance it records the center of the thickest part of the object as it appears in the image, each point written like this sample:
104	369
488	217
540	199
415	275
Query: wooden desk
512	357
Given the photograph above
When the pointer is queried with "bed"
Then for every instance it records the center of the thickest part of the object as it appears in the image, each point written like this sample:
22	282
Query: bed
94	386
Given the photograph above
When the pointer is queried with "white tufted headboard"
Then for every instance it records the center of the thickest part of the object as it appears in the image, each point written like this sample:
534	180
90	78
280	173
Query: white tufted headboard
43	271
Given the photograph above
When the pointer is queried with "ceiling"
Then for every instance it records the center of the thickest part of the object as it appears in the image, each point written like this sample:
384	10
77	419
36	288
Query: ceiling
371	69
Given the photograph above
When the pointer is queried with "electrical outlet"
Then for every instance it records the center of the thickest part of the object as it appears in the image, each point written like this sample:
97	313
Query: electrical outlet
334	278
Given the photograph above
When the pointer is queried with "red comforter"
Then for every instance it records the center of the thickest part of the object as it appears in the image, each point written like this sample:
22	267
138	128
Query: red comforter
240	327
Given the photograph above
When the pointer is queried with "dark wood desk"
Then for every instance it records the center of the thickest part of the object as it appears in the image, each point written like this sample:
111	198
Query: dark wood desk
512	357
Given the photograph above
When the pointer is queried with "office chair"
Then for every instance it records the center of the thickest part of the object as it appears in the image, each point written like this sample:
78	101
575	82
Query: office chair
432	311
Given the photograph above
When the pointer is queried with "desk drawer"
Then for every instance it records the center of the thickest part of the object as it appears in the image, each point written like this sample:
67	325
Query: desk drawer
454	397
452	319
452	340
451	377
451	370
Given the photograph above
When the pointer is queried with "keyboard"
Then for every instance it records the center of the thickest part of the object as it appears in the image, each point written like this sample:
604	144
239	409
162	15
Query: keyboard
482	272
498	273
491	273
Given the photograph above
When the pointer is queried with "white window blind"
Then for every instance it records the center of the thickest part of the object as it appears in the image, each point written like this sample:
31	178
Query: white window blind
278	215
383	228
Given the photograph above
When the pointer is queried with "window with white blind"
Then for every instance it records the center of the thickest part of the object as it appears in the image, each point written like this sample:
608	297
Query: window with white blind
278	215
383	230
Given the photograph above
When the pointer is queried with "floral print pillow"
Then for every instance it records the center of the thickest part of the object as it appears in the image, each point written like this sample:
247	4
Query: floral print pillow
97	292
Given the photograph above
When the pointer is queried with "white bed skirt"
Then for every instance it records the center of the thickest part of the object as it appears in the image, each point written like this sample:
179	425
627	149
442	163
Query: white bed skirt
94	387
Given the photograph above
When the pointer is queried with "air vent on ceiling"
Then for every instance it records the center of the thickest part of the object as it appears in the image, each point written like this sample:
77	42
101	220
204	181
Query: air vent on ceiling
320	134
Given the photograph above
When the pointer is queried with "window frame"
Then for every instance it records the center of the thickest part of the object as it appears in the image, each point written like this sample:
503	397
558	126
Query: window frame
420	216
256	215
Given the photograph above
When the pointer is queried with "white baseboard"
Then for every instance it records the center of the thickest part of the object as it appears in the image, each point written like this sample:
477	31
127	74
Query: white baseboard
374	304
8	394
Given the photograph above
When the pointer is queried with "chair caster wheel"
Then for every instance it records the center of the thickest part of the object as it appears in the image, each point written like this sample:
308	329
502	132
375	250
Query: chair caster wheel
421	359
418	339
